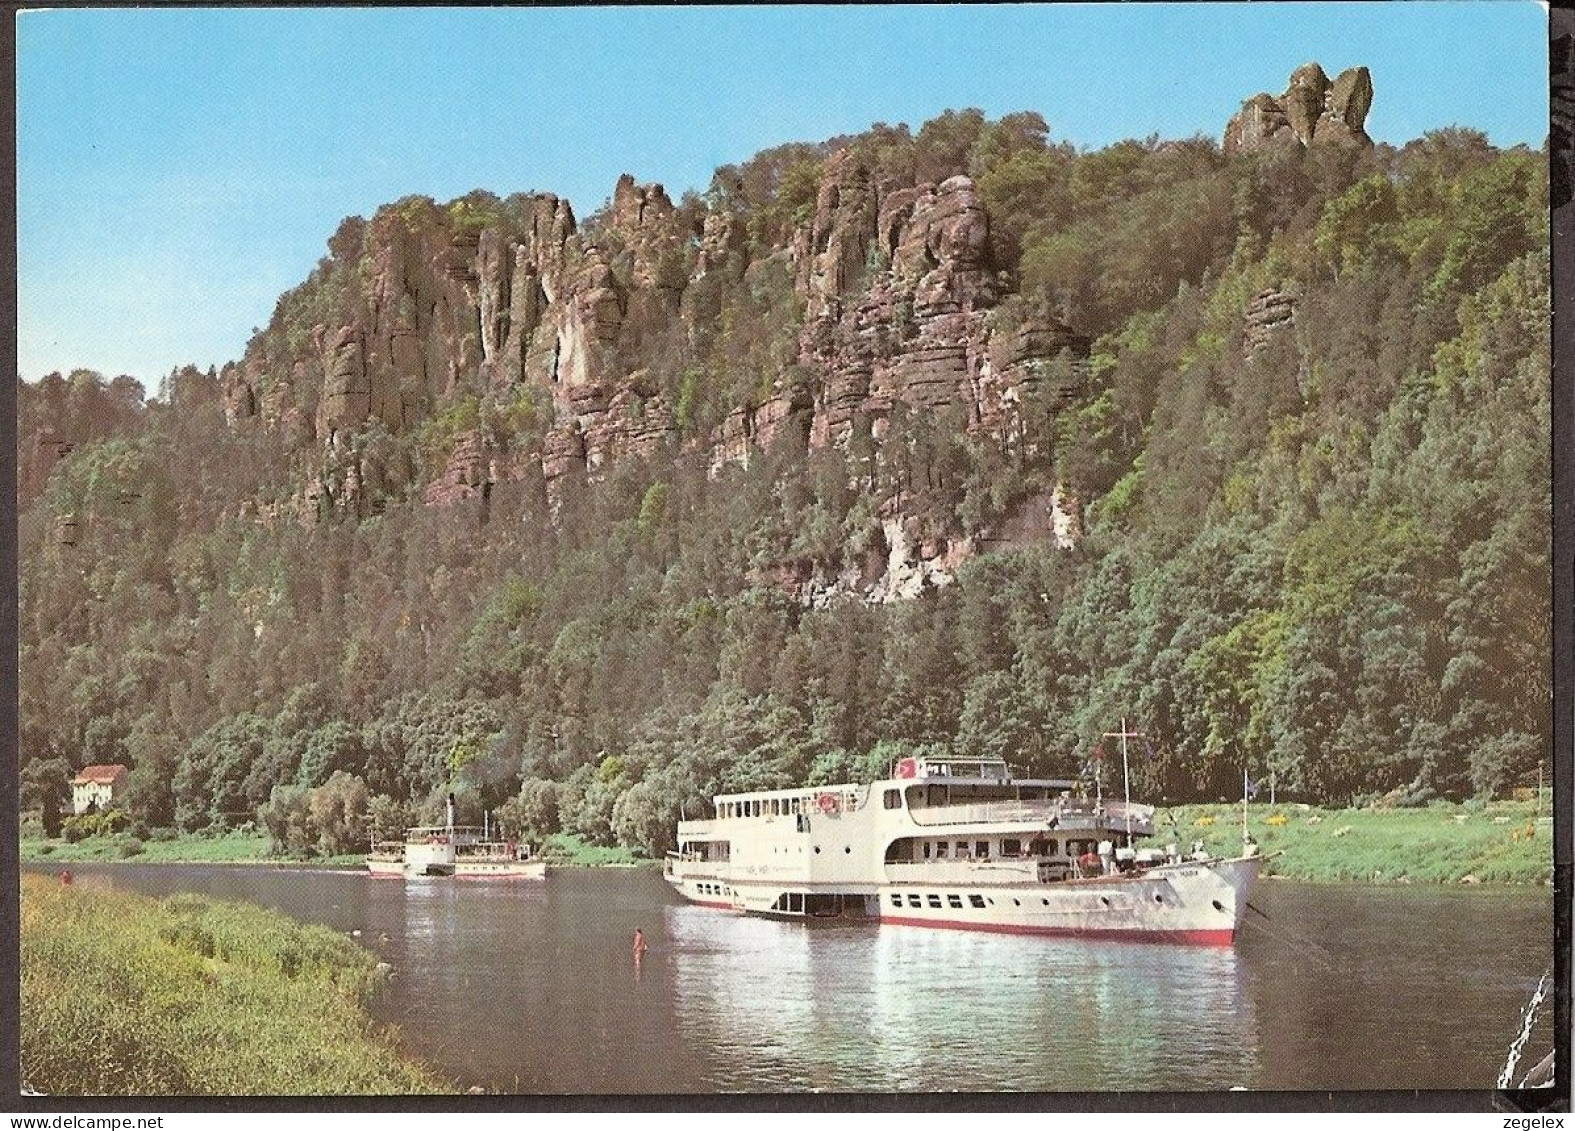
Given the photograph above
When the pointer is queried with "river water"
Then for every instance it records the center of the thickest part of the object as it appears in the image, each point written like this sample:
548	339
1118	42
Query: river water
531	987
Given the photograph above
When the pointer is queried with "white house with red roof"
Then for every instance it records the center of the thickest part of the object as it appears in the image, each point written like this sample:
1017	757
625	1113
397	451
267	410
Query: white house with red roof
96	787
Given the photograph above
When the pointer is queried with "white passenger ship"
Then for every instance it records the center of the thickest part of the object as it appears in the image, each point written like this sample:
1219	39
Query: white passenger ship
959	843
461	851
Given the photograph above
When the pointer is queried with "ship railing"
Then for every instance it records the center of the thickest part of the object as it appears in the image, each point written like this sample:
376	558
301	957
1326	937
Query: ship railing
988	870
1071	812
985	812
1108	814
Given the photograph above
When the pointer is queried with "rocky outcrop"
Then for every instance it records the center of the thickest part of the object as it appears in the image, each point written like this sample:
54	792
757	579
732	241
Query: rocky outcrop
786	414
1312	111
46	448
466	475
907	320
1268	312
481	297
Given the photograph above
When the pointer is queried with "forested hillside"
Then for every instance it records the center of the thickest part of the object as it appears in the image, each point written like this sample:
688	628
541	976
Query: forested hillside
960	438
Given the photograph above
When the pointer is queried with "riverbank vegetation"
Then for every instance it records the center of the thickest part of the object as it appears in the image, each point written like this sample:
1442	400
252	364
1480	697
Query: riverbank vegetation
1319	552
1508	842
1501	842
125	995
227	848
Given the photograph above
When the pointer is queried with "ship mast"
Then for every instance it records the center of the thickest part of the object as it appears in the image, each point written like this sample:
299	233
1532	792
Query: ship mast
1126	776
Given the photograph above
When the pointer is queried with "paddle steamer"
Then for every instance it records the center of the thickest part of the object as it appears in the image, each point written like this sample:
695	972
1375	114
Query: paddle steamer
461	851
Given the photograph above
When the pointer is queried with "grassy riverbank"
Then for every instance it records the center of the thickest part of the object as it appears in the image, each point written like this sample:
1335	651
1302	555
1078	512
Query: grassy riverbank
562	849
567	849
125	995
233	848
1438	844
1448	844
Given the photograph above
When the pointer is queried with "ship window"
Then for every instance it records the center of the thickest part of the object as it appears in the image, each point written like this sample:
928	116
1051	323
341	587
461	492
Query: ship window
976	900
982	848
893	799
962	848
935	901
1011	848
913	901
1051	850
896	901
940	850
926	850
954	900
817	850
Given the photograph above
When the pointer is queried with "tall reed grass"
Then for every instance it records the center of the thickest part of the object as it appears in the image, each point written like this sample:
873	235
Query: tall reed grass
125	995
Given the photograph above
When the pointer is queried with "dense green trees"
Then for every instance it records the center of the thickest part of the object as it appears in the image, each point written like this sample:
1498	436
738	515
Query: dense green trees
1326	558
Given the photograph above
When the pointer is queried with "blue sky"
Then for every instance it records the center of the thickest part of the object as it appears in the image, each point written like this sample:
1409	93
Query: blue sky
178	169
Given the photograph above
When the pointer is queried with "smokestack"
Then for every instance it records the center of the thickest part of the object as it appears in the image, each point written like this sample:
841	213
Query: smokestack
451	811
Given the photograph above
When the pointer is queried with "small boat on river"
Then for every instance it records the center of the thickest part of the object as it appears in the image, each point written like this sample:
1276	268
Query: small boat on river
462	851
959	843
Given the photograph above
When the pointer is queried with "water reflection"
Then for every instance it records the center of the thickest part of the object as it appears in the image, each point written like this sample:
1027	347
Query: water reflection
894	1009
532	987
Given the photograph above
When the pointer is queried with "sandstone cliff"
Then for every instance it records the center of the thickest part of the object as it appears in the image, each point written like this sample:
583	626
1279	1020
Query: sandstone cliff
900	306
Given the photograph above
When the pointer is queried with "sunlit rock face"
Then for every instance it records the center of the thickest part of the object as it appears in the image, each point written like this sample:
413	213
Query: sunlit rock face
1312	111
509	303
907	319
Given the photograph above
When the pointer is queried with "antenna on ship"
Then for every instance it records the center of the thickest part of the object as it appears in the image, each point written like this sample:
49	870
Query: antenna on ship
1126	777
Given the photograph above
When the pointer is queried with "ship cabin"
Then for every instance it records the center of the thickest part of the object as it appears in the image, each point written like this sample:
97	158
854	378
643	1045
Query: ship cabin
430	850
965	813
784	810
